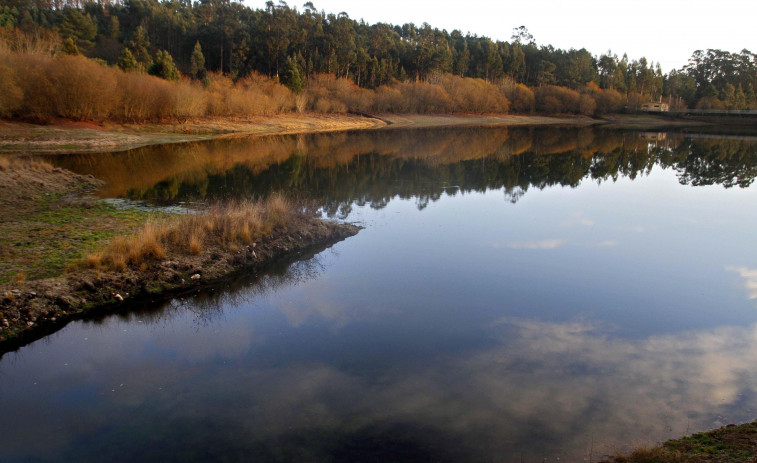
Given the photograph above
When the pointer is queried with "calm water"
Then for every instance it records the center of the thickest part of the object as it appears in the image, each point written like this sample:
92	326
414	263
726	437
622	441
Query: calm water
516	295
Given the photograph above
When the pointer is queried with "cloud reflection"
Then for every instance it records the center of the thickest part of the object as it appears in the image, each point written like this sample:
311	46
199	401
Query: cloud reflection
535	388
543	244
750	279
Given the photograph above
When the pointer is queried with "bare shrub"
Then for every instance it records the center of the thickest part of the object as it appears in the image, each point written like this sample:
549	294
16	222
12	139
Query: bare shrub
586	105
83	89
474	95
11	95
36	40
389	99
551	99
188	99
609	101
521	98
327	93
142	97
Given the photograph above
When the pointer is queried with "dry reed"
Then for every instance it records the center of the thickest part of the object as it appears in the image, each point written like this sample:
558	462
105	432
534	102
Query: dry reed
224	226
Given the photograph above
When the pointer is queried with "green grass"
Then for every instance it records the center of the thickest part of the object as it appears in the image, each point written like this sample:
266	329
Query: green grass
57	232
731	444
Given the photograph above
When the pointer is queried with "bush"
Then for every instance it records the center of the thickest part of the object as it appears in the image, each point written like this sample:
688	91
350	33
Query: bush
11	95
521	98
474	95
551	99
329	94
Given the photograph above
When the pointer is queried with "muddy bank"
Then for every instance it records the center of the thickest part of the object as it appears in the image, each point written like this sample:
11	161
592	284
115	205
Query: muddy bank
36	308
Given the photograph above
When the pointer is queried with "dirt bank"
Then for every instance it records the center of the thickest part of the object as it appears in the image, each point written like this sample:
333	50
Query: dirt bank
65	136
47	229
79	137
42	306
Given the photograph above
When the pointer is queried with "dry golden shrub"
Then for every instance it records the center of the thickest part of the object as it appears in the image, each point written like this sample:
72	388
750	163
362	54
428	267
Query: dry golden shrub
32	78
11	95
521	98
609	101
474	95
424	97
586	105
551	99
226	226
606	101
34	40
83	89
142	97
188	99
255	95
390	100
327	93
217	89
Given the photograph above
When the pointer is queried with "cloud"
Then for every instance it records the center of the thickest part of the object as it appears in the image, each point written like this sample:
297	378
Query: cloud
750	279
577	219
544	244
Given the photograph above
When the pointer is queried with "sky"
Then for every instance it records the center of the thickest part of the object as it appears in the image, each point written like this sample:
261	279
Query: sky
664	31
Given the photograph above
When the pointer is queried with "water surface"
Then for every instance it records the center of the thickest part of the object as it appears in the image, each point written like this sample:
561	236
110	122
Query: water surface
516	295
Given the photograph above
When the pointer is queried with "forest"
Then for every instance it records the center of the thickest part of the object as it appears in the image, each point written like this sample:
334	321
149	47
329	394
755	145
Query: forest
139	60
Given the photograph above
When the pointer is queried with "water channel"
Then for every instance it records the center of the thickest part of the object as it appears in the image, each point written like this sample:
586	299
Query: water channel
522	294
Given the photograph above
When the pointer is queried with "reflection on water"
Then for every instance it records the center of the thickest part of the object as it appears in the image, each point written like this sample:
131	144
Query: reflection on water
612	303
373	167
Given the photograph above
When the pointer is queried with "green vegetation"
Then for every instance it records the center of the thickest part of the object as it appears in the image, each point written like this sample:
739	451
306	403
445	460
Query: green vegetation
731	444
45	228
331	62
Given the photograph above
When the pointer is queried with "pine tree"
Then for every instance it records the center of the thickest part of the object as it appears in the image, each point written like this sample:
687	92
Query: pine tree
127	61
197	62
69	47
164	67
292	77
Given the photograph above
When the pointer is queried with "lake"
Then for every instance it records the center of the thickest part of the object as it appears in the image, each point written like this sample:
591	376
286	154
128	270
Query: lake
522	294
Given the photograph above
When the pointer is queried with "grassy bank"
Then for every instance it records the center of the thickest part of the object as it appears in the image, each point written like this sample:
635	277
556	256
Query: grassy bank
64	256
730	444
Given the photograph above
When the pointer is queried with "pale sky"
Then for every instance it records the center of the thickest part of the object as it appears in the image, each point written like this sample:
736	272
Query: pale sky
668	31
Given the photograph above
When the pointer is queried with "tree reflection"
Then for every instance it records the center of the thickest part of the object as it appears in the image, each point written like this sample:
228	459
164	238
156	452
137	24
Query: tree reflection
372	168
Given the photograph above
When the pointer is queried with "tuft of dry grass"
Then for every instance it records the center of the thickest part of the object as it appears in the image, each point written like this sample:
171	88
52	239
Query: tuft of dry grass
224	226
20	277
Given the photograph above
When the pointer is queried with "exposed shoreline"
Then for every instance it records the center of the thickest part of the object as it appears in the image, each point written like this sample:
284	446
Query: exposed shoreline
45	215
66	136
34	309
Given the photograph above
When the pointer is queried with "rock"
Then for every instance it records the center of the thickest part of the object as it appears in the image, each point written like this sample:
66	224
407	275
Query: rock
119	297
5	322
29	323
196	276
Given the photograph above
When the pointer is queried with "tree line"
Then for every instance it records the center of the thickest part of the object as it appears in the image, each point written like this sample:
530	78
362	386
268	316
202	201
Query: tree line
294	47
